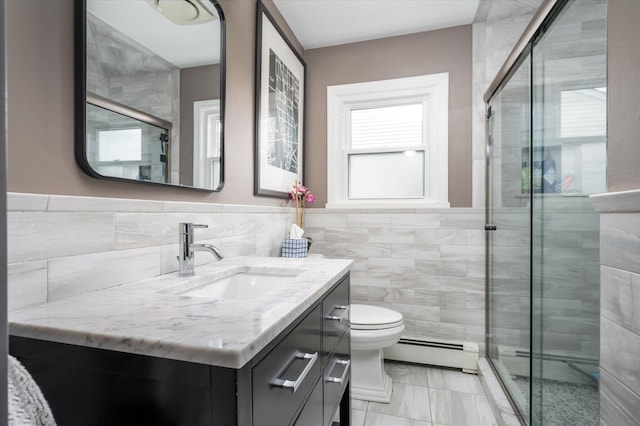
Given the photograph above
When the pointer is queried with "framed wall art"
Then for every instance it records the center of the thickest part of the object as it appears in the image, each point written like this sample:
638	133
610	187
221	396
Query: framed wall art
280	95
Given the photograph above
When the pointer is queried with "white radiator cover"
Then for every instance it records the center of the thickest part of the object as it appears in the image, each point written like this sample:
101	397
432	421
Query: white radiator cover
438	352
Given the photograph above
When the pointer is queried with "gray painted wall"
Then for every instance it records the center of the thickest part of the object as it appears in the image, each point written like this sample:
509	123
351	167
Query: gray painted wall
40	80
623	62
40	92
447	50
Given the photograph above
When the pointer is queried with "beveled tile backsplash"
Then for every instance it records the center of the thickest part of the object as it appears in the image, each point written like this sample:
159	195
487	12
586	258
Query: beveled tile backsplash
59	245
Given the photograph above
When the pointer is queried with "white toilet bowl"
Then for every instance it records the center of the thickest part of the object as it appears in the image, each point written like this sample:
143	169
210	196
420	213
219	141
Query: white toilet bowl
372	329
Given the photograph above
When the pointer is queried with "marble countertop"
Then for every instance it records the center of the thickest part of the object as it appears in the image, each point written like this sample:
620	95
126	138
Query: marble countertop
144	317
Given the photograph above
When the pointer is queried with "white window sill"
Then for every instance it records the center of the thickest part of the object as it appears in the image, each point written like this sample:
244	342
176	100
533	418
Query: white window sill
388	205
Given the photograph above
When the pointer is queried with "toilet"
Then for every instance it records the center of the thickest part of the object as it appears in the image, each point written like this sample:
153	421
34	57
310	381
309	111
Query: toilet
372	329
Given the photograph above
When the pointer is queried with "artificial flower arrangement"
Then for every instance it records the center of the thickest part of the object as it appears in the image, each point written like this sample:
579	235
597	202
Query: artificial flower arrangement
301	195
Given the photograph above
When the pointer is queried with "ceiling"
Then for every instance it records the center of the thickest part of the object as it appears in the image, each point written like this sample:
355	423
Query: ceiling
322	23
316	23
182	45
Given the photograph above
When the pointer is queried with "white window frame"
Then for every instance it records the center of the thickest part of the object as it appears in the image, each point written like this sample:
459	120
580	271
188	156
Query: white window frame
203	111
433	91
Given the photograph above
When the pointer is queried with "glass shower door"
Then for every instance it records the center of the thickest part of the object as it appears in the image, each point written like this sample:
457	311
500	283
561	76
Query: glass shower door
508	234
569	154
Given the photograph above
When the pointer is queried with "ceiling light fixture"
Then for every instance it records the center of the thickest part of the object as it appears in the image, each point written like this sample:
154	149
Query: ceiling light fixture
183	12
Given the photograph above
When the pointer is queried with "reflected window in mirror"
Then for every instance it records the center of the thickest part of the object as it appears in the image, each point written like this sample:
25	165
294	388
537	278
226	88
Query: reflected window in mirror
156	66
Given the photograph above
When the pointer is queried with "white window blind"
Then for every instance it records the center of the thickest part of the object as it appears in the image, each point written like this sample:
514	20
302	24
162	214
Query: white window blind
583	113
386	127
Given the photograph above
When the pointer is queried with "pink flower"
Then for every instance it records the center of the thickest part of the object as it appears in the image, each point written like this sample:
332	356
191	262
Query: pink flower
300	189
301	195
310	198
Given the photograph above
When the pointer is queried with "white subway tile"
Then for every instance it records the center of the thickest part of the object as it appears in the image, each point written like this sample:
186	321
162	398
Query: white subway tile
69	276
18	201
38	236
361	220
189	207
68	203
328	220
26	284
415	220
392	235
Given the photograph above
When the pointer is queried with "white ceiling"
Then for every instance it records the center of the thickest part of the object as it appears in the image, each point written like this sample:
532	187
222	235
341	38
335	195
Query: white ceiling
321	23
316	23
182	45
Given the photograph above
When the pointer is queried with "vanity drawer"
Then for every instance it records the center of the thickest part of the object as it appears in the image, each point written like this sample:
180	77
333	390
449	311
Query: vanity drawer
311	414
335	316
336	375
284	377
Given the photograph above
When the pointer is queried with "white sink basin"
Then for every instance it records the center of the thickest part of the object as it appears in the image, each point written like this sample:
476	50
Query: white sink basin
241	282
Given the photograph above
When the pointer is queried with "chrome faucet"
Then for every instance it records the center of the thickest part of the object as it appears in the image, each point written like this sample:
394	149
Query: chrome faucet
187	249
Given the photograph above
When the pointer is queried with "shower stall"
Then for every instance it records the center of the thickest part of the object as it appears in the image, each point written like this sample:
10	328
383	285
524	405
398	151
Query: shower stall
546	153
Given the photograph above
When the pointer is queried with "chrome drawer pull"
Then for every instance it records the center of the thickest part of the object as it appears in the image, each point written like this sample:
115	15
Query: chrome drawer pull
345	310
293	385
347	363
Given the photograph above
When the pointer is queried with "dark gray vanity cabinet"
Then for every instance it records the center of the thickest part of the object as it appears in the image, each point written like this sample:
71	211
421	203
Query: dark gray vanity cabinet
300	378
336	348
315	359
288	373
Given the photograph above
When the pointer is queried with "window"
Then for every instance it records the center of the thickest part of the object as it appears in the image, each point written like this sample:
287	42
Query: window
120	145
387	143
583	128
207	130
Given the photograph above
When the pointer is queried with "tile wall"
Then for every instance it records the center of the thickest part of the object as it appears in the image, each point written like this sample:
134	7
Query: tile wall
619	307
429	265
493	39
146	71
59	246
426	264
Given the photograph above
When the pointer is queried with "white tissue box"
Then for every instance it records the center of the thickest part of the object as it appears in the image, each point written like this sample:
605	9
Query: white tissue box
295	247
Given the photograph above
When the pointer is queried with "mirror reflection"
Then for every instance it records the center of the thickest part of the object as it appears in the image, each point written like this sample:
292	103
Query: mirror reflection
153	91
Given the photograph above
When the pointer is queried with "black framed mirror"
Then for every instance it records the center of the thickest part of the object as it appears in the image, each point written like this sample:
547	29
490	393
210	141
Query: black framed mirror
150	90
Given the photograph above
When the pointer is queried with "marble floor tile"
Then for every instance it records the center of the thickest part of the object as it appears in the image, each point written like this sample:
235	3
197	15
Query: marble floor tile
357	417
358	404
440	378
460	409
377	419
406	401
427	396
406	373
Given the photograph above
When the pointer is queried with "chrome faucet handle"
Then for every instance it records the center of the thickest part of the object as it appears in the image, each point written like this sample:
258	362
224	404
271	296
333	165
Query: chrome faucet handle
187	248
187	227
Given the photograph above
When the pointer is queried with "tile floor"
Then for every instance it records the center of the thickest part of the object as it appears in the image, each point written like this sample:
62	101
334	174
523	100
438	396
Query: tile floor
426	396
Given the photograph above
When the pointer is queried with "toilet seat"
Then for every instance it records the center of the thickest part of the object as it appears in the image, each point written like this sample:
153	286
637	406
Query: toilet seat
366	317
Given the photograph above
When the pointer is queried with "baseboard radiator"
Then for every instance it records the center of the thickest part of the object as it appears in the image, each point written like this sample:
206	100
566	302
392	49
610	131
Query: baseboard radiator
438	352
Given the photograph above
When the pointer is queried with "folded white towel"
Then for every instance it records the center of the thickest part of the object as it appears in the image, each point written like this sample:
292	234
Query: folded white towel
27	406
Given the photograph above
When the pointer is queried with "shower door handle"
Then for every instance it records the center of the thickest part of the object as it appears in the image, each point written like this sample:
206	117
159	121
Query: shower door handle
489	227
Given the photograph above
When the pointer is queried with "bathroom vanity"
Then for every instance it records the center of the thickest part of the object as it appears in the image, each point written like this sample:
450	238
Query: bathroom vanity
170	351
